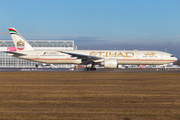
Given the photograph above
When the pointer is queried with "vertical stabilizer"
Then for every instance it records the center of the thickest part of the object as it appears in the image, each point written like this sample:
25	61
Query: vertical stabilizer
20	43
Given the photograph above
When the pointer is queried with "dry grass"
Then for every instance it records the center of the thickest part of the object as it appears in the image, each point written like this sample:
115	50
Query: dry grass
83	95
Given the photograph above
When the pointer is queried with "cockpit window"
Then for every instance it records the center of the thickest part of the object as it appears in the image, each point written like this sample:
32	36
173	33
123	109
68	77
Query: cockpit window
172	55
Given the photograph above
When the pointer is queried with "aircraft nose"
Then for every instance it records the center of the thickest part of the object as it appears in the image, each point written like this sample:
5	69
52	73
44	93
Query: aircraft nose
175	59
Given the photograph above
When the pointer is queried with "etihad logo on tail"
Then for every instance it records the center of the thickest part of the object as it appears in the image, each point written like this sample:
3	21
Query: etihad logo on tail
20	45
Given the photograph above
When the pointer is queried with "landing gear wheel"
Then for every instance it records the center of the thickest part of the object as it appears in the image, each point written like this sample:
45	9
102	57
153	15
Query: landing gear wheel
87	68
93	68
163	69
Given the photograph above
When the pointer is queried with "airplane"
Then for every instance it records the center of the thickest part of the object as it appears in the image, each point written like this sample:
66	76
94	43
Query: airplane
107	58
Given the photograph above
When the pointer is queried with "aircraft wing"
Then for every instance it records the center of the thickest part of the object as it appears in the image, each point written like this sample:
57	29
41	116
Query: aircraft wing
82	56
16	53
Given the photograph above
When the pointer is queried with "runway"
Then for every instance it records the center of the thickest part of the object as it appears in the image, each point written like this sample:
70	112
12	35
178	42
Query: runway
127	70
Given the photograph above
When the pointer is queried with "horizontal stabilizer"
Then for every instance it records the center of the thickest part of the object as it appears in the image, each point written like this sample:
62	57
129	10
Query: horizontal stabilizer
16	53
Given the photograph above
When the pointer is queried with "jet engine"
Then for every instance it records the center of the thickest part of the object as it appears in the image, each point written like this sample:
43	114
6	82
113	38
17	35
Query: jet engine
110	63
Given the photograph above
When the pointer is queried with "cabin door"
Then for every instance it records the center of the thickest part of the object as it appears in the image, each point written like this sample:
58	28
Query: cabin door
161	56
37	55
137	59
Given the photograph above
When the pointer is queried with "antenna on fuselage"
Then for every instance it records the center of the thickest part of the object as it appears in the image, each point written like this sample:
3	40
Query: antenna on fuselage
165	49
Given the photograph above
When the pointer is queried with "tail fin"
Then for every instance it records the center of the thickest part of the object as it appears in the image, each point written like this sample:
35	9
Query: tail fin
19	42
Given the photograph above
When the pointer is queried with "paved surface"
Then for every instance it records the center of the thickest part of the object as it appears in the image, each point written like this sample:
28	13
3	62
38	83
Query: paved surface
127	70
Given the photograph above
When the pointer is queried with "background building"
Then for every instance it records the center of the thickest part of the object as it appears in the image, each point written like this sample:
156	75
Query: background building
9	61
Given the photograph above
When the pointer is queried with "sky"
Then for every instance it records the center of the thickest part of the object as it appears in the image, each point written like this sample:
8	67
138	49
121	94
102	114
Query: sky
97	24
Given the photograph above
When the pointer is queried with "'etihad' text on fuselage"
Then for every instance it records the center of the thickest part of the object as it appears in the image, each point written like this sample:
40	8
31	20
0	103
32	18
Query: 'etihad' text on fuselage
114	54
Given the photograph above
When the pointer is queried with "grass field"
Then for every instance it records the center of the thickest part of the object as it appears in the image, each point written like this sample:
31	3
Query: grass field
89	95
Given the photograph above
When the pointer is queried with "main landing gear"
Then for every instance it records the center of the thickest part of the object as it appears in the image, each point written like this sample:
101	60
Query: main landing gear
89	68
92	68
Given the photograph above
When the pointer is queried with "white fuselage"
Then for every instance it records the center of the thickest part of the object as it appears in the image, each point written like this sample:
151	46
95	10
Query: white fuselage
123	57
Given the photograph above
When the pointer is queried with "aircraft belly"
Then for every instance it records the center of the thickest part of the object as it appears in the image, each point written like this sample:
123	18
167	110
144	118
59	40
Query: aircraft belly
56	60
60	61
143	61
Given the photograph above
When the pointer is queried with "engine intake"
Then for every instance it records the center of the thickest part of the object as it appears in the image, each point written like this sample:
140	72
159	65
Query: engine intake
110	63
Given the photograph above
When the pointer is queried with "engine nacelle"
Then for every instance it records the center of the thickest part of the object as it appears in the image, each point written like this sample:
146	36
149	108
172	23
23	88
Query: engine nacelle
110	63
